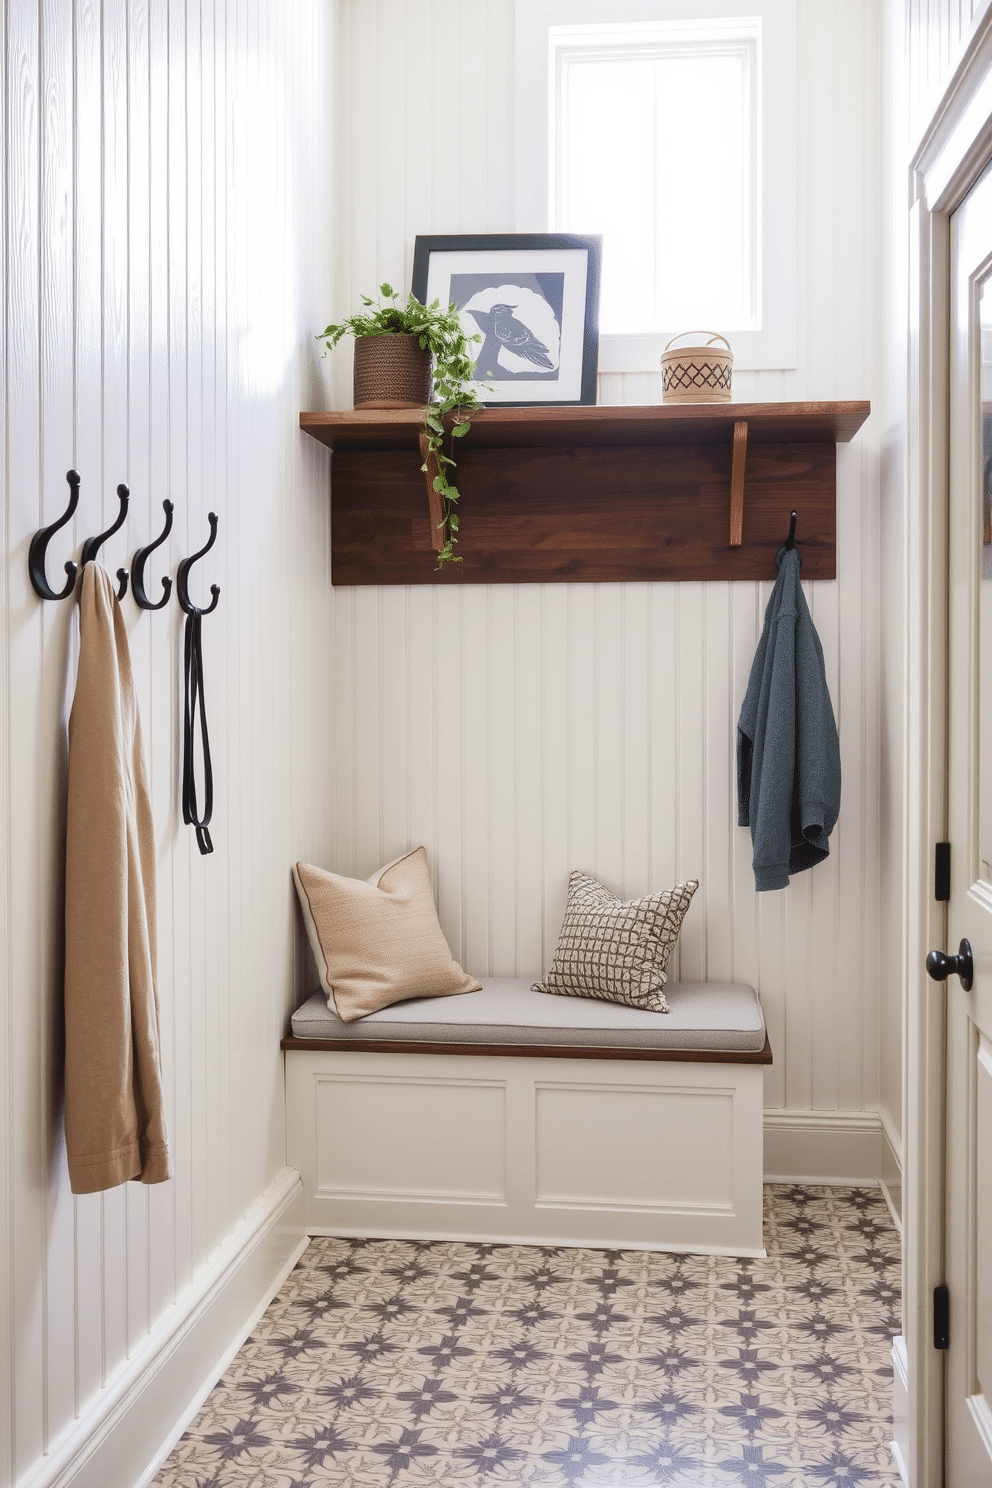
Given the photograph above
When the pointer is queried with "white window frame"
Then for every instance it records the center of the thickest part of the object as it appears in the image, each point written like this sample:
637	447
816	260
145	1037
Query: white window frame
774	345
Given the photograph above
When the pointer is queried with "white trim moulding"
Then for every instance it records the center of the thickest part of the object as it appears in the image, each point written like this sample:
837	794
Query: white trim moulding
121	1441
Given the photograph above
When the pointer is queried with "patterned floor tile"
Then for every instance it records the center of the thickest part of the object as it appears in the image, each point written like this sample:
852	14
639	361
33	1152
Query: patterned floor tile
392	1362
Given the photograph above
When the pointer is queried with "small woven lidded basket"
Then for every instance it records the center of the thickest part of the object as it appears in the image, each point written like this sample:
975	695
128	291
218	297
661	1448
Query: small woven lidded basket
697	374
391	371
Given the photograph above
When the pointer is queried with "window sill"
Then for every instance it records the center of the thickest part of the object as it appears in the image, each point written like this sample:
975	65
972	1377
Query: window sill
754	351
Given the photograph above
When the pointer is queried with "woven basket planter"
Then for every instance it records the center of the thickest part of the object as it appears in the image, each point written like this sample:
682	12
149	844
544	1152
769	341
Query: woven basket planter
697	374
391	372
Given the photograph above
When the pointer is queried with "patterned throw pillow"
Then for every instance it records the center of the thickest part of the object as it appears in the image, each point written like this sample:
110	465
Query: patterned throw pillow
614	949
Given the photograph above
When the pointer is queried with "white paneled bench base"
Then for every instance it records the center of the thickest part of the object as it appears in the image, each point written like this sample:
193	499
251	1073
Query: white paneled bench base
511	1115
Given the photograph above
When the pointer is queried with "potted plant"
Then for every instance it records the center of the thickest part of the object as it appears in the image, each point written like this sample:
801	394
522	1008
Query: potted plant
414	355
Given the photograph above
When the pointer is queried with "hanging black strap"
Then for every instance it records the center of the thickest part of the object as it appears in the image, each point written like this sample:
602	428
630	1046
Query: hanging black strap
195	703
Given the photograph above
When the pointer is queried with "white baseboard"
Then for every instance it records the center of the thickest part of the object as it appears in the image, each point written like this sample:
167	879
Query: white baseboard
900	1406
824	1147
121	1441
891	1181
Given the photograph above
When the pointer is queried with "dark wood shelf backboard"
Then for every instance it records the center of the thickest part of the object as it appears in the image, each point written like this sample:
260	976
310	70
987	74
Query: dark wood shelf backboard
597	494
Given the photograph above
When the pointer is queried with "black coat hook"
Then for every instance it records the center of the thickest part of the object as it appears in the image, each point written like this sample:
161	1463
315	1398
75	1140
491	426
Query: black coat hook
92	544
138	567
790	541
182	577
38	550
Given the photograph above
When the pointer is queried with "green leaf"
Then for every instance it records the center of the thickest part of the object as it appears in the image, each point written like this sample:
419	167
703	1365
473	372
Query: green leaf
440	332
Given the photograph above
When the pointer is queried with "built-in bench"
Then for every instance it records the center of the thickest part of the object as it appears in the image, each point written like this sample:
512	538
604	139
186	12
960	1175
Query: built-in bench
456	1118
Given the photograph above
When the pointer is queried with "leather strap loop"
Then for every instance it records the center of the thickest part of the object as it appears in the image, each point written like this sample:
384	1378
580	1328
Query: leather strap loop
194	704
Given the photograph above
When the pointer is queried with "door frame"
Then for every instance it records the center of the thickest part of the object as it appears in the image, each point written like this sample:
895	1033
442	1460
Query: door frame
955	149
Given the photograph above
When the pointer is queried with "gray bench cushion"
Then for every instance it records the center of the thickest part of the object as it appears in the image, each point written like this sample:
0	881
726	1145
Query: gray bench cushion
718	1016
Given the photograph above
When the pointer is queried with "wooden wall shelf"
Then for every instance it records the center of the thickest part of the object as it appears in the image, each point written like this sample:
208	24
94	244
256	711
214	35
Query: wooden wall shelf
591	494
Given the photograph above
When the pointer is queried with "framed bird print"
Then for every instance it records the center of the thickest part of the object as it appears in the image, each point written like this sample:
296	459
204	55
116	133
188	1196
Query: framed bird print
532	302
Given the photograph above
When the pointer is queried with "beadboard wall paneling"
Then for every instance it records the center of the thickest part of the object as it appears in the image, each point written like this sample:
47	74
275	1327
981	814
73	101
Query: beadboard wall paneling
167	248
892	444
522	731
937	32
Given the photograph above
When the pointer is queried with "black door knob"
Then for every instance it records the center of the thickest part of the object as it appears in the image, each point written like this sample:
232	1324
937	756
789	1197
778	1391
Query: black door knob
940	967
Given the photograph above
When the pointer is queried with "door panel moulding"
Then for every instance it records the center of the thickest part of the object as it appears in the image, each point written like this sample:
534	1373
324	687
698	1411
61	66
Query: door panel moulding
954	150
957	144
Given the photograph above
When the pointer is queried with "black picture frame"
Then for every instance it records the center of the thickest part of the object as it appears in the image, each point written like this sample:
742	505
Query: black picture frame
543	348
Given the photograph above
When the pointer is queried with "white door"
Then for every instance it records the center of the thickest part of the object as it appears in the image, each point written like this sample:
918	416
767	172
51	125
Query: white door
968	1217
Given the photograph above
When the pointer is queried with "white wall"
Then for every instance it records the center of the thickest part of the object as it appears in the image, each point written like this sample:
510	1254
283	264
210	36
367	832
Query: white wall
168	249
522	731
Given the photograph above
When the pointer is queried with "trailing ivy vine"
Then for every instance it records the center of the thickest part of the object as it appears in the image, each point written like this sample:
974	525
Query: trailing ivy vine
440	332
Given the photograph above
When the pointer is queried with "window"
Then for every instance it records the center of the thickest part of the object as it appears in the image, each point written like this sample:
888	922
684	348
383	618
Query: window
678	212
674	137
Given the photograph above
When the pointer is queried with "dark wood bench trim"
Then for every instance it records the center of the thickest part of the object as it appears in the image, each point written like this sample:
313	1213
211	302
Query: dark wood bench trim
536	1051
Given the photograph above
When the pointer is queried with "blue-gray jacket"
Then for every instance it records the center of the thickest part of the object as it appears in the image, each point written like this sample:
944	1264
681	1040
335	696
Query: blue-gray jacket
788	751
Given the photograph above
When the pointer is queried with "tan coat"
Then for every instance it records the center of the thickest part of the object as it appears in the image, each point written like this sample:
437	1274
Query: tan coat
114	1114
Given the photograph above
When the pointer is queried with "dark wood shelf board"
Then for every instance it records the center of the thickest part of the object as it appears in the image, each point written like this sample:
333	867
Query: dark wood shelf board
584	515
590	495
599	425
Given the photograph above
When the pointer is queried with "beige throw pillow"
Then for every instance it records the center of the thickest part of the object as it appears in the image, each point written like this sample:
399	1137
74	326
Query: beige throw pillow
377	941
617	950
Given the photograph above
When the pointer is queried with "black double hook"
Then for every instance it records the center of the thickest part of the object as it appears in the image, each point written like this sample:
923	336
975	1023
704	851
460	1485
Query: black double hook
92	545
182	577
38	551
138	567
